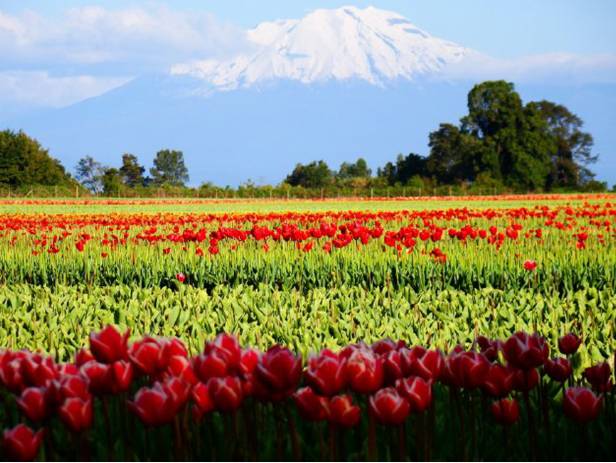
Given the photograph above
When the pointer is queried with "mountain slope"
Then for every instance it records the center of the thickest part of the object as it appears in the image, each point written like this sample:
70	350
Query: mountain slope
347	43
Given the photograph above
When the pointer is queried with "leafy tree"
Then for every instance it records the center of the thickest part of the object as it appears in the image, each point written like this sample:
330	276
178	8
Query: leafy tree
314	175
404	169
23	161
89	172
111	180
358	169
131	171
572	150
169	168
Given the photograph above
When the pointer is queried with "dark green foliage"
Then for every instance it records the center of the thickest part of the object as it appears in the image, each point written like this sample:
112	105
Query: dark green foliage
23	161
131	171
358	169
534	147
169	168
314	175
405	168
111	181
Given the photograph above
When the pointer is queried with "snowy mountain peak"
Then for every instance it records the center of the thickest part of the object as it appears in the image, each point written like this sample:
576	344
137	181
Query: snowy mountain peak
369	44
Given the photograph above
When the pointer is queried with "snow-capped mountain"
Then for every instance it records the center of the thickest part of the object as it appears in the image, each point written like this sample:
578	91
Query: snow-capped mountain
369	44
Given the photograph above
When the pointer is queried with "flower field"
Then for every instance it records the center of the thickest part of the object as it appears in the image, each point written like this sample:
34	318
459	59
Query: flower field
474	328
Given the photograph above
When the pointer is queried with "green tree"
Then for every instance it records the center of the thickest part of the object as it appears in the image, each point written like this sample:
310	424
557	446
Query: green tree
23	162
89	172
169	168
571	153
313	175
111	180
357	169
131	171
405	168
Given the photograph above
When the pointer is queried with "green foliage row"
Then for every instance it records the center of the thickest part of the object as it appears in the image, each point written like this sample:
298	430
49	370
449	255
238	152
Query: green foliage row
59	320
561	267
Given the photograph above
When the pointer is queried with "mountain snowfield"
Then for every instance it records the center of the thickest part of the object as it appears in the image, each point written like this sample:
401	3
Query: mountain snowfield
368	44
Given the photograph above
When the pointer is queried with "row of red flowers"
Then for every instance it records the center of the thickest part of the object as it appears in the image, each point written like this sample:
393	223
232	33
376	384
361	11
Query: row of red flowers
398	380
337	229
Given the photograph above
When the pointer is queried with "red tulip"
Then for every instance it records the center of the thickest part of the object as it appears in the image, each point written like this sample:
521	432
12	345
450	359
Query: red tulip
147	355
11	375
559	369
180	367
465	369
279	371
249	359
488	347
33	403
389	407
21	443
505	411
203	401
180	277
76	414
228	346
569	344
427	364
121	376
226	393
214	364
499	381
74	386
364	371
311	406
526	351
98	375
384	346
82	356
326	373
38	370
392	366
599	376
417	391
109	345
154	406
343	412
581	404
530	265
525	380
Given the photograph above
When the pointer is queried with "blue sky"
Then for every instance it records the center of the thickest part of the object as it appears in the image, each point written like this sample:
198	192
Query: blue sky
56	53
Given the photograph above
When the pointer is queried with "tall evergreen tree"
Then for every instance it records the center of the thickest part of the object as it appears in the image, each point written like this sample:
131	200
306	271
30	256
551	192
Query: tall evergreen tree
131	171
169	168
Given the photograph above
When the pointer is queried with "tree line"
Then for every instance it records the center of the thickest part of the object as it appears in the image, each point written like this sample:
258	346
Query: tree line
500	145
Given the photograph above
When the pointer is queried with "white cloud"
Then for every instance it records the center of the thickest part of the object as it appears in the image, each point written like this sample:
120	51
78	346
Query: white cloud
555	68
137	38
36	88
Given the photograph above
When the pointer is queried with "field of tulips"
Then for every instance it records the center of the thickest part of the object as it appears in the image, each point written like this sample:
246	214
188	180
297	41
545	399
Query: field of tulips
502	312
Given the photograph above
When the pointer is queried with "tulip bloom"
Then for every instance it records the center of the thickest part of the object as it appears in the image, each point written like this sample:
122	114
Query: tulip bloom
154	406
204	404
326	373
311	406
505	411
343	412
526	351
76	414
364	371
389	407
279	371
530	265
428	365
21	443
525	380
109	345
559	369
569	344
465	369
180	277
226	393
33	403
417	391
599	376
499	381
581	404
